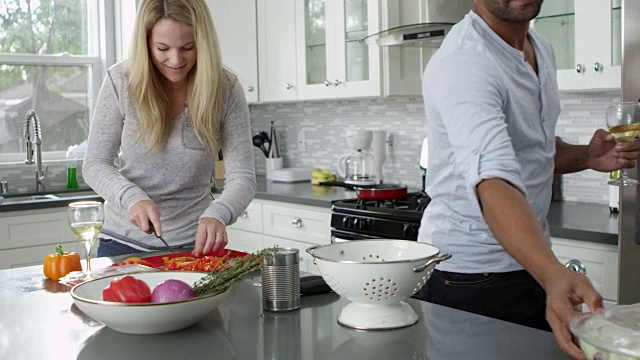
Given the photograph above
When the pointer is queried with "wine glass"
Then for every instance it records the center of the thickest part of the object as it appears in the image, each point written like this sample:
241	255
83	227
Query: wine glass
623	122
86	219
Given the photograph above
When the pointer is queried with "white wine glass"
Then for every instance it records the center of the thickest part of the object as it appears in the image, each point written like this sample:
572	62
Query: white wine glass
623	122
86	219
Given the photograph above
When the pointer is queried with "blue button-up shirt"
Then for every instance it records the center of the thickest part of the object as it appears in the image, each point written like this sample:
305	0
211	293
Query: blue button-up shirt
489	115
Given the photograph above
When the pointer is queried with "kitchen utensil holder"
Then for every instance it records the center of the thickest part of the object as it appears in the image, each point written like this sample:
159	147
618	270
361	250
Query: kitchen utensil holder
273	164
281	280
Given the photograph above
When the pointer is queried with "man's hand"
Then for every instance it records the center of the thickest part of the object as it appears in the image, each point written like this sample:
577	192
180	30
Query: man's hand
211	236
605	155
567	290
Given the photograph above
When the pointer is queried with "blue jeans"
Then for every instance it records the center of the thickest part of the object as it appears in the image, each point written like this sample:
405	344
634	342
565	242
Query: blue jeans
512	296
109	247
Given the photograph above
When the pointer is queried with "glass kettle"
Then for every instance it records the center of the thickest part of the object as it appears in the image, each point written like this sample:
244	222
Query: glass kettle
358	168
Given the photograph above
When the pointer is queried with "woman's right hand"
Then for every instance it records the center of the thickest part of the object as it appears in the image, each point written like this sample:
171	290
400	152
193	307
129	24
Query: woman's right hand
142	213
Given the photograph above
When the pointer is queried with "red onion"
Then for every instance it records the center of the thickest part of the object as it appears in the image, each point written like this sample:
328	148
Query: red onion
172	290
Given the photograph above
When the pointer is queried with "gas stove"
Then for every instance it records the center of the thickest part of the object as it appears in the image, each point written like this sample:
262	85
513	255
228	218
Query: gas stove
356	219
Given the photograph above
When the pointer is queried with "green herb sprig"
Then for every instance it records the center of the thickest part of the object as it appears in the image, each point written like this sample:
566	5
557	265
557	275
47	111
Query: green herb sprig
235	269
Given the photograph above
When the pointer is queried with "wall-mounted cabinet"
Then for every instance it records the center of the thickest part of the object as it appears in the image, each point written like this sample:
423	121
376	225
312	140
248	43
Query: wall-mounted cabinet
277	50
310	49
332	63
235	24
586	36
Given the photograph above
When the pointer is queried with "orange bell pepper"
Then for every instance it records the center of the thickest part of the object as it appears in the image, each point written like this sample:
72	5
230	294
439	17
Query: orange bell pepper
61	263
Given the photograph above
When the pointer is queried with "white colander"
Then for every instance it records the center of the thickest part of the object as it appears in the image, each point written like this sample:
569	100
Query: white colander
376	276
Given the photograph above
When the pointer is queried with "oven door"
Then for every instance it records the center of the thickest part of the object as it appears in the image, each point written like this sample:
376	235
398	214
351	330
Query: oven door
342	236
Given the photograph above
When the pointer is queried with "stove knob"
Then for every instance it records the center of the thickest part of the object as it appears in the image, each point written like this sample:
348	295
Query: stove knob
367	224
410	231
357	223
346	221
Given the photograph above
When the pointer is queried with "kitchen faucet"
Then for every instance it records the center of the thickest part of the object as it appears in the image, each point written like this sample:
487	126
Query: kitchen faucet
35	144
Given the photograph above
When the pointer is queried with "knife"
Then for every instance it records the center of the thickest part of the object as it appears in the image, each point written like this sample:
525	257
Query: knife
160	237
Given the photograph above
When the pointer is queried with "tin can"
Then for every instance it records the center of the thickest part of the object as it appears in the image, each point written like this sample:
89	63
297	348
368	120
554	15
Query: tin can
281	280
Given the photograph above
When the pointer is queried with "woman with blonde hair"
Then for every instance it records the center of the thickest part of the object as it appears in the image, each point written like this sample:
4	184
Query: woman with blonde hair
161	118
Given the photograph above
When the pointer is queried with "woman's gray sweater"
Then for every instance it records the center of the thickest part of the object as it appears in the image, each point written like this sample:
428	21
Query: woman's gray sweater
178	178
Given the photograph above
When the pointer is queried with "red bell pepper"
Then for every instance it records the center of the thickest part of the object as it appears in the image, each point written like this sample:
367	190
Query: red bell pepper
127	289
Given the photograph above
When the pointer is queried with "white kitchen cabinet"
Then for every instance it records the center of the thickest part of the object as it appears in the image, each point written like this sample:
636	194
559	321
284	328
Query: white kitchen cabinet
26	237
586	36
600	261
332	63
277	50
246	233
235	24
270	223
297	226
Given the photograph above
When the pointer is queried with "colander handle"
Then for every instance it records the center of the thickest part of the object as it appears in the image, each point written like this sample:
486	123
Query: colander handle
435	260
310	250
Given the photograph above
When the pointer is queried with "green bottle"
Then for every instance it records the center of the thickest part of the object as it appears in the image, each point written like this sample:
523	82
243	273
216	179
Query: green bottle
72	160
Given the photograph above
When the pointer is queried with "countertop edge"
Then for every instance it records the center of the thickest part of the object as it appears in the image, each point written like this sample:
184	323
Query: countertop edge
603	236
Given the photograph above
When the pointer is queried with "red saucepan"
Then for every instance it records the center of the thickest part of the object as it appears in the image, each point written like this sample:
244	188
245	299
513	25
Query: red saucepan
372	192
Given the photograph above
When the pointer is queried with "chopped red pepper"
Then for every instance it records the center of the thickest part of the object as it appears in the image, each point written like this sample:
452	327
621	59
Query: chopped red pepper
127	289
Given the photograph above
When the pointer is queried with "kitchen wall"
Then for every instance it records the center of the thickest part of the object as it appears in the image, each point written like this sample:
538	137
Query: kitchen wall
324	123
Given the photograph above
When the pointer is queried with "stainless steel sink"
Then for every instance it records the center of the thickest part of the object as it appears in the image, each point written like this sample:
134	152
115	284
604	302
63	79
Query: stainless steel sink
47	197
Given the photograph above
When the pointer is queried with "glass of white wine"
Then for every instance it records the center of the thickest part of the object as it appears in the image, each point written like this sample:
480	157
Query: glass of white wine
623	122
86	219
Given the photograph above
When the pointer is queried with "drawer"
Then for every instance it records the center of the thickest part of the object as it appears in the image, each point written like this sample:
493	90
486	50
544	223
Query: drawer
306	260
600	261
251	219
299	223
35	255
34	227
245	241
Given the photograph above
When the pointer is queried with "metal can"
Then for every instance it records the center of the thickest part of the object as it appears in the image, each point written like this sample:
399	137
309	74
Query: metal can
281	280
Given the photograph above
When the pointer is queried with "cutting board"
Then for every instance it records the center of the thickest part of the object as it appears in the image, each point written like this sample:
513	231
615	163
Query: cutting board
158	261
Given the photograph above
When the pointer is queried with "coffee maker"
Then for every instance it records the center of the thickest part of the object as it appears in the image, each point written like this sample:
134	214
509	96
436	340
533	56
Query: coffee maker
363	166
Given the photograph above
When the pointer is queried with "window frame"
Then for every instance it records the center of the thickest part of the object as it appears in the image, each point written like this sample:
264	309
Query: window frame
105	26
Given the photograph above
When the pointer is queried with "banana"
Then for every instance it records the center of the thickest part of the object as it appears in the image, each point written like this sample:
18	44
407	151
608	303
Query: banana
321	173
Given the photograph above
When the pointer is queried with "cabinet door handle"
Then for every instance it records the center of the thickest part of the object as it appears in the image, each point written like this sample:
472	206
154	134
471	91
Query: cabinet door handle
288	86
337	82
579	68
244	215
296	222
327	83
597	66
576	266
250	89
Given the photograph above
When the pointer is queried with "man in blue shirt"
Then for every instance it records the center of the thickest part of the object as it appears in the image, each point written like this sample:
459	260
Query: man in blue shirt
492	102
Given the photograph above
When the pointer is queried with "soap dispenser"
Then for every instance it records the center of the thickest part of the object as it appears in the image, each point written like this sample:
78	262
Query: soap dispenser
72	163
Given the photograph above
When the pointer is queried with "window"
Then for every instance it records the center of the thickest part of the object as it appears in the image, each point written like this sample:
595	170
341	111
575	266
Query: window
53	56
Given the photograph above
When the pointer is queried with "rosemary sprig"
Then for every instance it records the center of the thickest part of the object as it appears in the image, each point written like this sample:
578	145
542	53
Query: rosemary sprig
235	269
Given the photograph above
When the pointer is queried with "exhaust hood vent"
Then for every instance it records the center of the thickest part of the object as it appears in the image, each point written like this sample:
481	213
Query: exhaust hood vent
416	35
435	20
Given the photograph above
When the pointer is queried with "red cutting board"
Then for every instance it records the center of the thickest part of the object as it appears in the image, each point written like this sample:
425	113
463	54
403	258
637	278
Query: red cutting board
158	261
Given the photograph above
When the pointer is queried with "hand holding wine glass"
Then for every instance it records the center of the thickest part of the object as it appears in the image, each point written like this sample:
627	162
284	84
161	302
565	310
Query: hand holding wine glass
623	122
86	219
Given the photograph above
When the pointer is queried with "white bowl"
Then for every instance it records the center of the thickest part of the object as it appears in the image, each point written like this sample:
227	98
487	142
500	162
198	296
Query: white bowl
376	275
145	318
612	335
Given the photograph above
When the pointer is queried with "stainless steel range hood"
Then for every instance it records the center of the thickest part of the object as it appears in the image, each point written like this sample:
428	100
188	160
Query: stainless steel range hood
436	19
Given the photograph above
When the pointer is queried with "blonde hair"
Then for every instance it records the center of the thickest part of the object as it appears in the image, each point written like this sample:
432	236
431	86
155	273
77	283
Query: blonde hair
204	80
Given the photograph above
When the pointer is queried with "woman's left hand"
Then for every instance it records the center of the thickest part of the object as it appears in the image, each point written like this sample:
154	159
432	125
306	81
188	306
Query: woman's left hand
211	236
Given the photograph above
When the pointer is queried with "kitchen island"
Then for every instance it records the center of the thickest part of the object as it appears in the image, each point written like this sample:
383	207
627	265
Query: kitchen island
38	320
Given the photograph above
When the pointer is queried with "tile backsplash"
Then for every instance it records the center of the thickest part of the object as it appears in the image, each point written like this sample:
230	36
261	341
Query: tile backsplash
322	124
